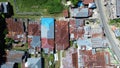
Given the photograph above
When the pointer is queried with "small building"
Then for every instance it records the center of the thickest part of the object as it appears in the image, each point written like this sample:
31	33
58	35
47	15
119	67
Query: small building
33	63
61	35
8	65
118	8
84	42
117	32
47	34
86	2
15	56
16	30
6	8
70	60
99	59
76	28
92	5
34	41
79	12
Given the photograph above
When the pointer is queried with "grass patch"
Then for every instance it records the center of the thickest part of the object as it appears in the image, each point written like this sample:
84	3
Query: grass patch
47	59
115	22
19	65
63	54
24	48
40	6
71	43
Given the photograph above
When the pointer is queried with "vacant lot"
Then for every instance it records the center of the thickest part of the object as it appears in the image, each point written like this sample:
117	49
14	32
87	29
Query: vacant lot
39	6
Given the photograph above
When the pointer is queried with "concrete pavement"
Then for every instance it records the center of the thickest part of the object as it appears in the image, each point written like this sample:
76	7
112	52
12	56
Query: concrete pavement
105	20
61	64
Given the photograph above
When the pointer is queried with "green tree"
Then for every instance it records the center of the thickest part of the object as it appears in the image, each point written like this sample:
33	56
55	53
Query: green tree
74	2
2	41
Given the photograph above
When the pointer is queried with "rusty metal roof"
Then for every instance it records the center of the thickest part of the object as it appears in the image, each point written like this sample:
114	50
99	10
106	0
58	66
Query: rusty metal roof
86	2
61	35
34	29
98	59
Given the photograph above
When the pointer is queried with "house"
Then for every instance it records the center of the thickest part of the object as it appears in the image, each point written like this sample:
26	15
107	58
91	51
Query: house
117	32
84	42
15	56
118	8
47	34
16	30
34	41
86	2
61	35
8	65
96	31
88	59
70	60
76	28
79	12
33	63
34	29
92	5
6	8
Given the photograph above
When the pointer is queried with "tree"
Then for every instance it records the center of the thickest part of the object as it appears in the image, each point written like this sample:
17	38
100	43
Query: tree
2	41
74	2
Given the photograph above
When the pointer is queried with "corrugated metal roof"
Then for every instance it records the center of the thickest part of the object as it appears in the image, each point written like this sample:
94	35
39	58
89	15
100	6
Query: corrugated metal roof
15	29
8	65
33	63
76	28
5	8
84	42
15	56
79	12
35	41
86	2
34	29
61	35
118	8
93	60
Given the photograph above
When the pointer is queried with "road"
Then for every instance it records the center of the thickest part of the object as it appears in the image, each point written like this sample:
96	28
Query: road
104	19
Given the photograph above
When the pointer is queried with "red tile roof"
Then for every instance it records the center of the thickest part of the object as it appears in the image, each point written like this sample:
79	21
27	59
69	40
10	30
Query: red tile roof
47	43
34	29
61	35
86	2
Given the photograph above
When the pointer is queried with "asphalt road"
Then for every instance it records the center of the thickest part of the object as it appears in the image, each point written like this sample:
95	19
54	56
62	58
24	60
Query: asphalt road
104	20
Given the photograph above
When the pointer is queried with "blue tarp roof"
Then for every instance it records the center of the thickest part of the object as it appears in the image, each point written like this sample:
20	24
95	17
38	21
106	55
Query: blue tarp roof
35	41
47	28
47	22
80	4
